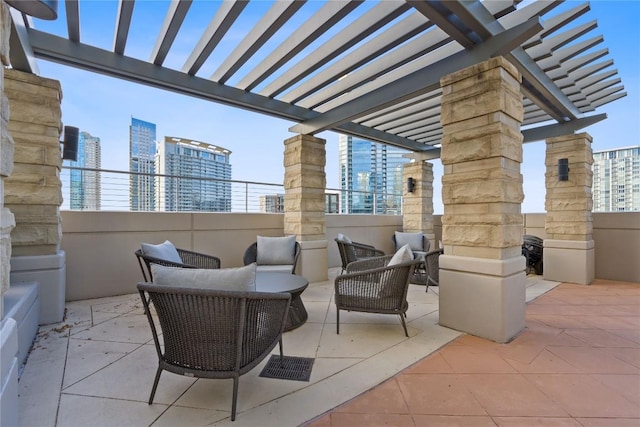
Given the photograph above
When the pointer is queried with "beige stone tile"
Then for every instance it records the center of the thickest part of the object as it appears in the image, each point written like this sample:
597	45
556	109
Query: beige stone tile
185	416
132	328
131	378
39	390
360	339
302	342
85	357
317	311
85	411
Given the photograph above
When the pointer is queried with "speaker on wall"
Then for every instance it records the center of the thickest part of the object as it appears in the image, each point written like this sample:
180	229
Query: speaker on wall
70	144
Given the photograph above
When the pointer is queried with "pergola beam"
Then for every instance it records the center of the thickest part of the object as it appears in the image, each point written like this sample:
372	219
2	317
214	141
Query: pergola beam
560	129
419	82
78	55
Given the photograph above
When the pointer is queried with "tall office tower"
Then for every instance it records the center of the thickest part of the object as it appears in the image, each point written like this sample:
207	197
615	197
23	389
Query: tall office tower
142	152
85	186
370	176
616	180
197	176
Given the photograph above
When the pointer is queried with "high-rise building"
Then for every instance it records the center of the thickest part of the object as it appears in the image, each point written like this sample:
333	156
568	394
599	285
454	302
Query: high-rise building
616	180
84	185
142	152
195	176
370	176
272	203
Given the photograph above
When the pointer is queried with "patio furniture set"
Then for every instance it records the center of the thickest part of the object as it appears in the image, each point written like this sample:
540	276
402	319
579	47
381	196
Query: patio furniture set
222	322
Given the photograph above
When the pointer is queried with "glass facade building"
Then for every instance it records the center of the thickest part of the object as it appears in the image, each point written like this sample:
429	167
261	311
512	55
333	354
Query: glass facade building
85	186
370	176
195	176
616	180
142	153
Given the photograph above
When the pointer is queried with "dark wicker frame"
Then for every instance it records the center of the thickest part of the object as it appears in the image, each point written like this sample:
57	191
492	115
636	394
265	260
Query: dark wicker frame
432	265
209	333
533	251
190	259
354	251
420	272
371	286
251	255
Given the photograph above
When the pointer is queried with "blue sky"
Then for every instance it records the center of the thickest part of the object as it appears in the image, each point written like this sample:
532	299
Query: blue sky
104	106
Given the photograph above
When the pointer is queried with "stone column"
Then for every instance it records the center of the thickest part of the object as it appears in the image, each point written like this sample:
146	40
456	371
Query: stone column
33	192
569	222
417	212
304	202
482	271
9	364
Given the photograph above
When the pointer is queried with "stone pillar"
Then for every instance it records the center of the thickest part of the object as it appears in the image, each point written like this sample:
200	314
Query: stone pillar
33	192
9	364
417	211
482	271
304	202
569	222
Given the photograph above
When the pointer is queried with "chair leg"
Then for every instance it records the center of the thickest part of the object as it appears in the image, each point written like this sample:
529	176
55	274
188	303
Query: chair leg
337	321
404	326
281	354
155	385
235	398
427	290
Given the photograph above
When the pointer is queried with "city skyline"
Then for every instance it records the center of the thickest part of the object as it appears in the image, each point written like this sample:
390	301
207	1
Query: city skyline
257	140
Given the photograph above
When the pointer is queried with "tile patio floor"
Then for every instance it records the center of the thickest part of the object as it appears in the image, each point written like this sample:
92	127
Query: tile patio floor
576	364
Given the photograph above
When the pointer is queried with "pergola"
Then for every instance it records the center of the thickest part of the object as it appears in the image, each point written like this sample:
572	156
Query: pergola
362	68
451	79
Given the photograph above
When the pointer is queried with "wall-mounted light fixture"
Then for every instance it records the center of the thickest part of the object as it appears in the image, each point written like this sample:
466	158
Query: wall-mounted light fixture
70	143
43	9
563	169
411	185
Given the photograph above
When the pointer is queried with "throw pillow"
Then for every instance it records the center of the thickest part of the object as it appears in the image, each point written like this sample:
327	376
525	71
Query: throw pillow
414	240
166	251
344	238
276	250
404	254
227	279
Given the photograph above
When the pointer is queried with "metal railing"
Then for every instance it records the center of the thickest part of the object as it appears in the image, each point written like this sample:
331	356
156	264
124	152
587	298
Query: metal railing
88	189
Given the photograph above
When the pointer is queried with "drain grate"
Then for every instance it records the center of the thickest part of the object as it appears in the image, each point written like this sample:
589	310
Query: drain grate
290	368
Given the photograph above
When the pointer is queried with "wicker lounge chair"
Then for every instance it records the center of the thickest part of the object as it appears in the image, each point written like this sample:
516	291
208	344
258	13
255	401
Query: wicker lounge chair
209	333
354	251
372	286
190	259
432	264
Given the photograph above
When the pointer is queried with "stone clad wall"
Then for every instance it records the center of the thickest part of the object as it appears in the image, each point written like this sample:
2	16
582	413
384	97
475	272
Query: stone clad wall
304	183
481	153
34	190
569	203
7	221
417	210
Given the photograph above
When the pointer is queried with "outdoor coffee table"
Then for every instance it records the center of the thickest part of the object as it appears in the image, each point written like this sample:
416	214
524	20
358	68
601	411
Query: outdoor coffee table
286	282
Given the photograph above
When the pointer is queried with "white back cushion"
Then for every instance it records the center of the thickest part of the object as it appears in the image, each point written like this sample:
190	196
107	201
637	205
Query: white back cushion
230	279
166	251
275	250
414	240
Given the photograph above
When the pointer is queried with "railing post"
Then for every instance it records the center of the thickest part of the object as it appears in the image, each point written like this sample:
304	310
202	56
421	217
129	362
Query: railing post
246	197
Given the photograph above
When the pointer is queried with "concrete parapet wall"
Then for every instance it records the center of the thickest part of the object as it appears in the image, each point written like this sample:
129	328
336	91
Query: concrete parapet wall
99	246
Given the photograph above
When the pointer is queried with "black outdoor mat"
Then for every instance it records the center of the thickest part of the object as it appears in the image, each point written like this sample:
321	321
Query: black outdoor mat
290	368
